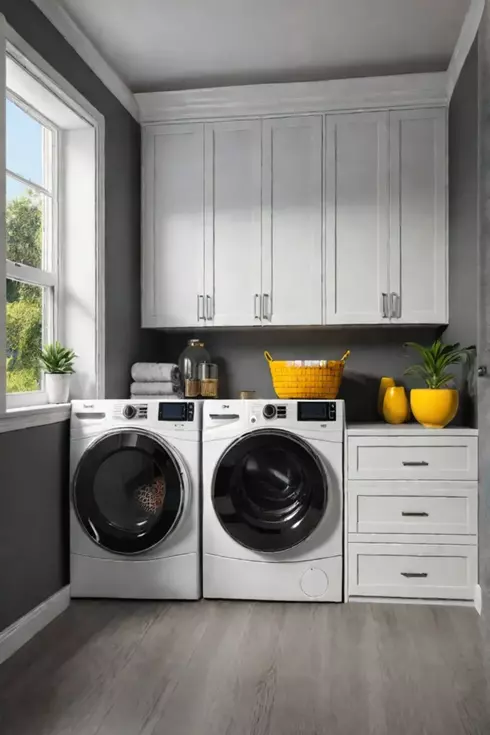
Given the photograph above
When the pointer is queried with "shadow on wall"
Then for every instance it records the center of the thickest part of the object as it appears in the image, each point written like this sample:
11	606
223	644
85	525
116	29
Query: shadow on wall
240	356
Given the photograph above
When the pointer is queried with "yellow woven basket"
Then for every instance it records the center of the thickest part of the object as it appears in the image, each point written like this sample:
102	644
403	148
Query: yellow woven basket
292	380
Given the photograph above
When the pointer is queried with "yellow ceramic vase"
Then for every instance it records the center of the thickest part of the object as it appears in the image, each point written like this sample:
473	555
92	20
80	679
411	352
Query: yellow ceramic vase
434	408
384	384
395	405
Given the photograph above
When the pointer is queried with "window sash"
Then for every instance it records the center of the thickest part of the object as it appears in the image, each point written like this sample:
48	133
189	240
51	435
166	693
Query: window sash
47	279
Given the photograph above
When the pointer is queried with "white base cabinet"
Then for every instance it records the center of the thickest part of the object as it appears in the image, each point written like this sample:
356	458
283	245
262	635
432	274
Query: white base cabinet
411	522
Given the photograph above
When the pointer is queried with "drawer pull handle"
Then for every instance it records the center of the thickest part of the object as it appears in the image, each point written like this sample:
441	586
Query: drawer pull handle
415	464
410	575
415	514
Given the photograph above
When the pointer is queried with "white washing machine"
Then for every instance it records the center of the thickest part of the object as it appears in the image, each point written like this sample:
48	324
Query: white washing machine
135	507
273	500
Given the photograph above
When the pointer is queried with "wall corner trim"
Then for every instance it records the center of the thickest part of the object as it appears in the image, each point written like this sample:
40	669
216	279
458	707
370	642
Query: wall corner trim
20	632
478	599
84	47
469	29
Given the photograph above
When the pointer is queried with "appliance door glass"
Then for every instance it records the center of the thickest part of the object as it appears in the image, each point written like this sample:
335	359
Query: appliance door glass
128	492
270	491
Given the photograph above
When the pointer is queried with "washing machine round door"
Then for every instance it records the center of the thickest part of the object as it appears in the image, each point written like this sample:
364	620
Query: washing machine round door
270	491
128	491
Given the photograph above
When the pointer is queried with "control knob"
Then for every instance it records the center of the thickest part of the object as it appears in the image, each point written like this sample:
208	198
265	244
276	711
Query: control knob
129	412
269	411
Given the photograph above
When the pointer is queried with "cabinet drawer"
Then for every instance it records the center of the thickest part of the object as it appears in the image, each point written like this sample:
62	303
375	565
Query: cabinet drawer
405	570
412	458
407	507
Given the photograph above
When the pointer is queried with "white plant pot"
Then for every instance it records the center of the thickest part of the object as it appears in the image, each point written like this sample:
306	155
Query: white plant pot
58	387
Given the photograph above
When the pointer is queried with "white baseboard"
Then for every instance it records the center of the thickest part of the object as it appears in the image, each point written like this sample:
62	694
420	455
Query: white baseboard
478	599
17	634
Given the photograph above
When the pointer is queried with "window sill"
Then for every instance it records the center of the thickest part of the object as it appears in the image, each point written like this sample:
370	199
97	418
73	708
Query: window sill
25	418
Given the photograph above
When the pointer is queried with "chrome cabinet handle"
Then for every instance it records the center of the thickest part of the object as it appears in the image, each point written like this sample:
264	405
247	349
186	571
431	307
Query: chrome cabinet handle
415	464
384	305
209	307
257	306
200	307
267	307
414	514
395	305
410	575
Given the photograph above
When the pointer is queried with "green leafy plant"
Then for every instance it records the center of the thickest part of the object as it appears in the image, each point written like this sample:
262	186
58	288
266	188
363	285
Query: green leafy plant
435	361
57	359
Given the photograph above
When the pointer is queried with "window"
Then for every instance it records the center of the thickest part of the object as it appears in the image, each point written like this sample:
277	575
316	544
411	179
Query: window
52	160
31	239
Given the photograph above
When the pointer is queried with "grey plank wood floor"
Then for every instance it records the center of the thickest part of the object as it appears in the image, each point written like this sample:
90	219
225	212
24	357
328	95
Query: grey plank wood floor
238	668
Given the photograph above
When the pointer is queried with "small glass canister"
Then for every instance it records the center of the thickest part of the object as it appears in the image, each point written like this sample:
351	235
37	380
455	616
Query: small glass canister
194	354
208	375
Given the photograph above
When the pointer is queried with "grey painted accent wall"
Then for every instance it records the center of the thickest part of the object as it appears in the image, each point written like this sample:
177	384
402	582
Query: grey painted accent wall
124	338
33	518
240	355
463	220
34	462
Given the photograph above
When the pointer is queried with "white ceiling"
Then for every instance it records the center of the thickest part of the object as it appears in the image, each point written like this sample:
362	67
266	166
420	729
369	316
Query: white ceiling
177	44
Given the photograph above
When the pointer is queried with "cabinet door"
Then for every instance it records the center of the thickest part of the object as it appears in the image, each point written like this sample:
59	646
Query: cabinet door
357	217
233	223
418	256
292	220
173	226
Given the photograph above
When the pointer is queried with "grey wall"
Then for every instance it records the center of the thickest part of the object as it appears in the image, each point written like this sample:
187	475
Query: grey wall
122	144
463	218
33	463
240	355
33	518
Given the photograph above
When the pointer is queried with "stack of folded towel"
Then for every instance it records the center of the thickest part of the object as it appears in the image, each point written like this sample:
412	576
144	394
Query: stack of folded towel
154	379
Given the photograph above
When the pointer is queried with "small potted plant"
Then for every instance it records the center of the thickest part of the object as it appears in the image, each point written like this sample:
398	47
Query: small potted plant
437	404
57	362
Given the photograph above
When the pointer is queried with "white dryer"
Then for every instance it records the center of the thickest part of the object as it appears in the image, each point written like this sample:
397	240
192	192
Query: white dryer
134	508
273	500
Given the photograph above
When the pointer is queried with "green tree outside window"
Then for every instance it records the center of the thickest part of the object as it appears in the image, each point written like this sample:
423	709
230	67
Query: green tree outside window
24	301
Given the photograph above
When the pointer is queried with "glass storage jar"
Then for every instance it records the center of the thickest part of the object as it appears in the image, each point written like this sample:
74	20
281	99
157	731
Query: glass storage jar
208	375
194	354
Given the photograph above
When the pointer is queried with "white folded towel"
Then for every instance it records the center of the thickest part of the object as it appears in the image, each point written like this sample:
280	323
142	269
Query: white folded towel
154	389
155	372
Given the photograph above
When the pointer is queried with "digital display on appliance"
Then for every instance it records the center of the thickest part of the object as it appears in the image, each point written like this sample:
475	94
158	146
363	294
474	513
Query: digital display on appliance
175	411
316	411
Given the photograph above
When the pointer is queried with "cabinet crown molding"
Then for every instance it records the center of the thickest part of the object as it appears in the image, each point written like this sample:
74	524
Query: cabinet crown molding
403	90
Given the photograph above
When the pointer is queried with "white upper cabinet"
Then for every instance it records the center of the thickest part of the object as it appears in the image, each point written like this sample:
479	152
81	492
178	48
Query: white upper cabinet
310	219
357	218
173	226
418	238
292	221
386	240
233	223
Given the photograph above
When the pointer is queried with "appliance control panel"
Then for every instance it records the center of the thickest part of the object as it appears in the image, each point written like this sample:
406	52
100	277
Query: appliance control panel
176	411
132	411
317	411
314	415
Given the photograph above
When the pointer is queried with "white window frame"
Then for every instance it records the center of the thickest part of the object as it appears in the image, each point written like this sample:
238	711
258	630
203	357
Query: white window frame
48	275
93	375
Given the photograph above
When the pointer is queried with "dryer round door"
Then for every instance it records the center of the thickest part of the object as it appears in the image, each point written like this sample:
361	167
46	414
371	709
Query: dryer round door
128	491
270	491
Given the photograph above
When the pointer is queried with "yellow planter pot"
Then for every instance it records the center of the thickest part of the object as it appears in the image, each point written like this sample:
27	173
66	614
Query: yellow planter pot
395	405
384	384
434	408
